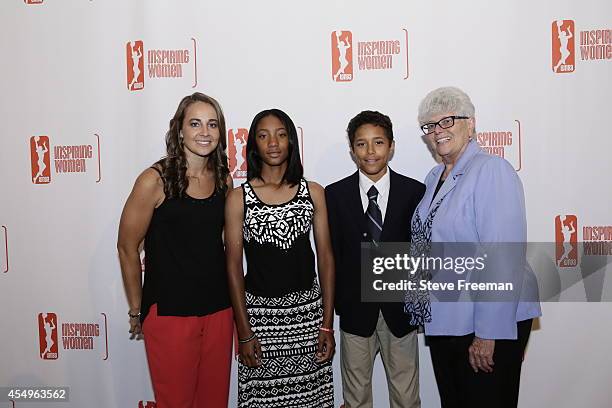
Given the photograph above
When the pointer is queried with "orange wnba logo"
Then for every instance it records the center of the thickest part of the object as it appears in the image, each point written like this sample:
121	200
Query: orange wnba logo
159	63
342	56
566	239
135	65
33	1
236	150
41	159
352	54
67	159
74	336
47	334
147	404
563	49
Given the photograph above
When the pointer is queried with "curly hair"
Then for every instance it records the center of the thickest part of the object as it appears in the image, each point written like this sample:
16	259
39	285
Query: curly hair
174	164
448	99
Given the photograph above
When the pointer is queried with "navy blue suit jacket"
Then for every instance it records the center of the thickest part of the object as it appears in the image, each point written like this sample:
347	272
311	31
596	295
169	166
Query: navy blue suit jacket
348	229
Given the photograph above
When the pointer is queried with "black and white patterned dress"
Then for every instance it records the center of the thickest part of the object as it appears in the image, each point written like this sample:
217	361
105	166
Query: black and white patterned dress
284	306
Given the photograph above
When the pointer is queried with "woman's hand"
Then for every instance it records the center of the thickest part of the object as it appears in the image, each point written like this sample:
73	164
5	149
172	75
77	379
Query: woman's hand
326	347
480	354
135	328
249	353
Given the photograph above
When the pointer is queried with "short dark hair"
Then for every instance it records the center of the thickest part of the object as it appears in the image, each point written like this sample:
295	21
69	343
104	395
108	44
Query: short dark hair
295	171
369	118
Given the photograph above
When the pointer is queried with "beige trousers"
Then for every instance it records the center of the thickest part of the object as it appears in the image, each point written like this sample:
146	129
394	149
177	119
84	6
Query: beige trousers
400	357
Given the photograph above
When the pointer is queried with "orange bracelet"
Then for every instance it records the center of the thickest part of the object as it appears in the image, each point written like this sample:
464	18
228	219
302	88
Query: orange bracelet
325	329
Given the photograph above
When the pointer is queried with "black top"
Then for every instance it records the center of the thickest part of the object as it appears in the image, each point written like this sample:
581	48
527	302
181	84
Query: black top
279	256
438	187
184	258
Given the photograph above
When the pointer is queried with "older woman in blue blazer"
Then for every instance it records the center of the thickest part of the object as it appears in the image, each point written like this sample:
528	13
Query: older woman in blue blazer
476	347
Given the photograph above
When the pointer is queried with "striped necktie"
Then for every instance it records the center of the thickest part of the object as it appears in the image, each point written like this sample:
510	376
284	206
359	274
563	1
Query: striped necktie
374	215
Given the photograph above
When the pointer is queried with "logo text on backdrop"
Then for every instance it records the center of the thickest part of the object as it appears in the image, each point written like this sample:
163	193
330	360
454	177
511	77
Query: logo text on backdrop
352	58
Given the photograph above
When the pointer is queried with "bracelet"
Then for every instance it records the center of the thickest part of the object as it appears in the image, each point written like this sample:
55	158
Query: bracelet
326	330
251	337
133	316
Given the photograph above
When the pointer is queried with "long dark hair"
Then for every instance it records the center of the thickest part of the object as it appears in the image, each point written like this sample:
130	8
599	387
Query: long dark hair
295	171
174	165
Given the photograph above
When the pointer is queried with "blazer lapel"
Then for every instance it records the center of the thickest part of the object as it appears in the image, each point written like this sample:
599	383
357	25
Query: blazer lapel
426	202
353	200
451	181
449	184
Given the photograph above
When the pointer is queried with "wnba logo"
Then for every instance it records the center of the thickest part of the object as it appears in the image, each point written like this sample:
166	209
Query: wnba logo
236	150
563	50
47	334
566	239
33	1
342	56
135	65
41	159
147	404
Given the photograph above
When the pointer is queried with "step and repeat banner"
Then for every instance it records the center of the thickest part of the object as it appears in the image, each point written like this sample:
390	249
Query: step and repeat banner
89	87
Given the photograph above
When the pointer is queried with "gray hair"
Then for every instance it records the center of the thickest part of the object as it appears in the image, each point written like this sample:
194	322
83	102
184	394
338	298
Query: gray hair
445	100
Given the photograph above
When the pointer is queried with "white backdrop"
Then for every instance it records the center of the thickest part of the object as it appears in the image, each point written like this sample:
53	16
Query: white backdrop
65	75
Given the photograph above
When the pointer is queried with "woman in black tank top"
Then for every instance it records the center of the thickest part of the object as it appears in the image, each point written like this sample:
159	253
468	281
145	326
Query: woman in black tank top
284	317
176	209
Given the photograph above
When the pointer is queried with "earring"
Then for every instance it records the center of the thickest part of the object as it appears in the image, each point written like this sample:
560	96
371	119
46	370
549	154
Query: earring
180	134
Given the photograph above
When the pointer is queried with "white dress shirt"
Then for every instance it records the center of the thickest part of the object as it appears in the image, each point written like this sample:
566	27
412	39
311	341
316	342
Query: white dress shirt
381	185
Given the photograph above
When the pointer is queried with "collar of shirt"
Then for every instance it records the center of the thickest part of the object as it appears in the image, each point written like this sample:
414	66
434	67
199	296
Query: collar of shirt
381	185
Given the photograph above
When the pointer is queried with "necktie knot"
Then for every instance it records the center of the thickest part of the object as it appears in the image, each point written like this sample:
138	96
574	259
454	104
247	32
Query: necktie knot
372	193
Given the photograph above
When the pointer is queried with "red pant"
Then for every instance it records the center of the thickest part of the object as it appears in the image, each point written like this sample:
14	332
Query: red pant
189	358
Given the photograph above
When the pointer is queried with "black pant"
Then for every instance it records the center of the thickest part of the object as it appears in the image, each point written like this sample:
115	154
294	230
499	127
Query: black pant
461	387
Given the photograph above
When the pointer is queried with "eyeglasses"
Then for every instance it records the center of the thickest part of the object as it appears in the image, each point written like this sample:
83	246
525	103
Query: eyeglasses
444	123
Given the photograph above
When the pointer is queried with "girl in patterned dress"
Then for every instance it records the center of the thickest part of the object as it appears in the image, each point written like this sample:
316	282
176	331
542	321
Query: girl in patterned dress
284	317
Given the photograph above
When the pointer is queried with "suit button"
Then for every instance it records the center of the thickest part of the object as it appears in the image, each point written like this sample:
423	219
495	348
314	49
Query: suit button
365	234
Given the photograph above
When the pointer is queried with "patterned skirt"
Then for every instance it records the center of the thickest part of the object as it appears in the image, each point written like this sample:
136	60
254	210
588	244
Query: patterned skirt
287	328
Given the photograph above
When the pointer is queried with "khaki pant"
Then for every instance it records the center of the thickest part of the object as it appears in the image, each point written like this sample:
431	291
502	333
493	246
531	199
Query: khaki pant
400	358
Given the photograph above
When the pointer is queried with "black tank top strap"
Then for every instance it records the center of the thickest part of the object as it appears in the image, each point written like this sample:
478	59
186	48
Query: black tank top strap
158	172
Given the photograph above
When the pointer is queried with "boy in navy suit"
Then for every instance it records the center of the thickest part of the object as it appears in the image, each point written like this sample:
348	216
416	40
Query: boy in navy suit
374	204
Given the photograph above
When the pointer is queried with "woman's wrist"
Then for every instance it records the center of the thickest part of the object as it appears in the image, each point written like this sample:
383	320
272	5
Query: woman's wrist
134	314
245	340
244	333
328	323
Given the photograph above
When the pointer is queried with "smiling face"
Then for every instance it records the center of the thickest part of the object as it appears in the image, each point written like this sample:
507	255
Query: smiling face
272	141
372	150
450	143
200	130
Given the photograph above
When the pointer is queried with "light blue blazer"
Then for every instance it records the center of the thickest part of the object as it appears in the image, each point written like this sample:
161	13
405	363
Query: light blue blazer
483	202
